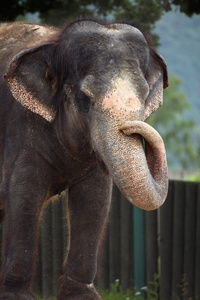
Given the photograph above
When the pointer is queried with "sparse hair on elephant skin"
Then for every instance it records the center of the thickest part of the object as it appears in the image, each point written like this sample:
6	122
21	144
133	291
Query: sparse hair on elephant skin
74	65
73	102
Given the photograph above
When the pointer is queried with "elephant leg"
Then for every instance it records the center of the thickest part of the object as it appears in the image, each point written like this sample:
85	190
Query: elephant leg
89	205
25	194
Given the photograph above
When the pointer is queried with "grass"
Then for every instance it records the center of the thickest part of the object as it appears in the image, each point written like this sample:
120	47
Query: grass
116	293
194	177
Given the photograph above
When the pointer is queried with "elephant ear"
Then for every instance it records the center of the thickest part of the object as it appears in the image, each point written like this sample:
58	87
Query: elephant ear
30	80
157	79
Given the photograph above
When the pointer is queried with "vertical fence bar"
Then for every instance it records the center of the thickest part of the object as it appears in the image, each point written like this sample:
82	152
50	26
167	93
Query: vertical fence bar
139	248
166	233
178	238
126	240
190	239
151	246
197	263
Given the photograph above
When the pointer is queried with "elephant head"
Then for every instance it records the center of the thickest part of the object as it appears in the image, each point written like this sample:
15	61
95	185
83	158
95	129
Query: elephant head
104	80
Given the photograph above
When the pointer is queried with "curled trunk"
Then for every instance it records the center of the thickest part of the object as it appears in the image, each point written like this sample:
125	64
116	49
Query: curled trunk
140	174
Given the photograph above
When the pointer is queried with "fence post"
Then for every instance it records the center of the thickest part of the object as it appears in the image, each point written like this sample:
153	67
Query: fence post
139	248
126	241
166	240
197	263
151	246
190	240
178	238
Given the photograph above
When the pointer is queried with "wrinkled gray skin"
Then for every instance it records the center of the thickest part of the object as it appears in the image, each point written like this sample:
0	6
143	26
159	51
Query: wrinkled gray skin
72	106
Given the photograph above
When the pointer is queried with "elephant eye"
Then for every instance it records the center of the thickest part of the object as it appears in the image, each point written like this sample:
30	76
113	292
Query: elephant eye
82	101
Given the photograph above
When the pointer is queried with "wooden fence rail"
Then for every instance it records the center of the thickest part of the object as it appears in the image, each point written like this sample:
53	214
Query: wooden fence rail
137	245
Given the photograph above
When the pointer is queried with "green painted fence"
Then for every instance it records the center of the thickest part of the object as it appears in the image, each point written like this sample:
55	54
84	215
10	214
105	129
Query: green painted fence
137	245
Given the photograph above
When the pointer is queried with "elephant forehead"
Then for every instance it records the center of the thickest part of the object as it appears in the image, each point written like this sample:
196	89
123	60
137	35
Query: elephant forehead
99	46
110	29
92	32
126	29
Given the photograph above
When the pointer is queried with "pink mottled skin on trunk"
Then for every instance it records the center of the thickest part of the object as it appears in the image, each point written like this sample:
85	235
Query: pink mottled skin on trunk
141	177
122	101
155	152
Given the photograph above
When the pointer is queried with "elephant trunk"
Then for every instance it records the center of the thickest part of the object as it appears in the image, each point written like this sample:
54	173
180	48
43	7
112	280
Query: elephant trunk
140	174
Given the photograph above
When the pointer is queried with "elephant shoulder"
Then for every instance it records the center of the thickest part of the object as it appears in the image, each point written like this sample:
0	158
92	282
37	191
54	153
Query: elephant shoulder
16	37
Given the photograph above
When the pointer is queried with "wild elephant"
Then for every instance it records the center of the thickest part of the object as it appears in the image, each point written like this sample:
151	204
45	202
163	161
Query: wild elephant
72	107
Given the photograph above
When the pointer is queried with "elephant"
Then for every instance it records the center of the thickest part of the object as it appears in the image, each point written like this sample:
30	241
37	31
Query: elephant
73	102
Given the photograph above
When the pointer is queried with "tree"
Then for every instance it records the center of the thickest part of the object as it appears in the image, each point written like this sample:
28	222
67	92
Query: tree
179	133
10	10
189	7
148	11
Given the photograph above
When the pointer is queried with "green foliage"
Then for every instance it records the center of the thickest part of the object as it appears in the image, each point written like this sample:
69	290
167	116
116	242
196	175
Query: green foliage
186	6
180	46
179	133
153	290
40	298
148	10
10	10
116	293
195	177
59	11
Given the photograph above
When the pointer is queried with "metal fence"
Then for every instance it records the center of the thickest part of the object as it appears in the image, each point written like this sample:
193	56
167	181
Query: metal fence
180	242
137	245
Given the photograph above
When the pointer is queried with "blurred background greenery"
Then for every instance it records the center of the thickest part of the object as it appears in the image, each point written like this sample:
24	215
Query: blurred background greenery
174	27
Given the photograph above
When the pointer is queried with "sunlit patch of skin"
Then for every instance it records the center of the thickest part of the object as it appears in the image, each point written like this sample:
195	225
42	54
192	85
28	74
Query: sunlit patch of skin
122	101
